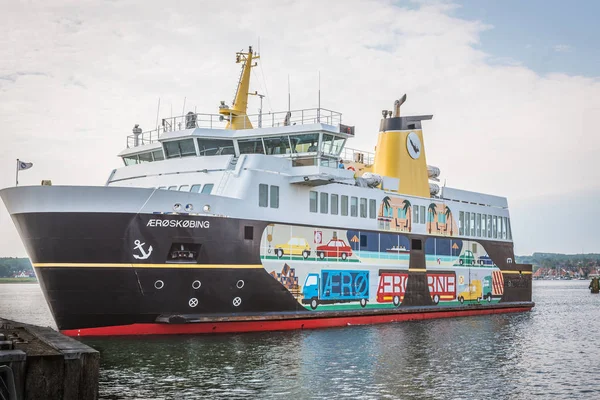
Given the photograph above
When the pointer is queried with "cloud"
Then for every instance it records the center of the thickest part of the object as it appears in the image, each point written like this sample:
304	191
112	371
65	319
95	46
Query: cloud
498	127
562	48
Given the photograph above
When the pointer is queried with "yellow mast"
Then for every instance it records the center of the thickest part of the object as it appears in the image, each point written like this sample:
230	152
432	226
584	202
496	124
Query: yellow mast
237	114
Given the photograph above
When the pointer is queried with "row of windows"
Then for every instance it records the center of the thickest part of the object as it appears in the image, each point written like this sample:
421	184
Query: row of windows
155	155
483	225
193	188
418	217
301	143
264	200
325	204
326	144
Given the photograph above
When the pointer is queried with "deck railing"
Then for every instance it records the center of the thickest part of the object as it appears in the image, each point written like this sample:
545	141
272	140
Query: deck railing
359	156
219	121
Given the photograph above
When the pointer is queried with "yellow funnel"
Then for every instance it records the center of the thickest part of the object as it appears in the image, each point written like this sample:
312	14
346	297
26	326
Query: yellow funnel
400	153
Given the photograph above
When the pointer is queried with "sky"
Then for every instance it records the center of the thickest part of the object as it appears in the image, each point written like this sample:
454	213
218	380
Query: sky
513	87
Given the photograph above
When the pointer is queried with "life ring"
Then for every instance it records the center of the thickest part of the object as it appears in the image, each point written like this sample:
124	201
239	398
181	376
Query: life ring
351	168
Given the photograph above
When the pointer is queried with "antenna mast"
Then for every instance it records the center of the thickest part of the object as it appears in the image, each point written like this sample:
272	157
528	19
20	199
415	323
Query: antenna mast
260	109
237	114
319	103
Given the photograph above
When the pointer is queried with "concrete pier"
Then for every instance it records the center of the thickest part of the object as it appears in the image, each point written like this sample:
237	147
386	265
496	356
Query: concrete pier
40	363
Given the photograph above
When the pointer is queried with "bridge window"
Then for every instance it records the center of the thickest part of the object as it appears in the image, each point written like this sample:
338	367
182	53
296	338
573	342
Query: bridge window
478	222
508	232
207	188
489	226
313	201
145	157
158	155
334	204
324	203
215	147
461	223
263	195
150	156
274	196
251	146
306	143
344	205
494	228
195	188
172	187
277	145
180	148
472	224
332	144
354	206
130	160
184	188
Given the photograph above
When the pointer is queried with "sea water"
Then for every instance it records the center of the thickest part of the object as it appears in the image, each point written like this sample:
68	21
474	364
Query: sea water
551	352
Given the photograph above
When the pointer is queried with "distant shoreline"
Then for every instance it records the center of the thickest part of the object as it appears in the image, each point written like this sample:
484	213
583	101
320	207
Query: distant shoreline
18	280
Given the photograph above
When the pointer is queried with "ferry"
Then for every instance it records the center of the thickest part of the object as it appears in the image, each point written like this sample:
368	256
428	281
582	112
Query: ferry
231	222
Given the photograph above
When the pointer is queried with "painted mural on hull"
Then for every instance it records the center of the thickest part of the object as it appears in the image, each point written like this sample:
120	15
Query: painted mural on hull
398	214
337	269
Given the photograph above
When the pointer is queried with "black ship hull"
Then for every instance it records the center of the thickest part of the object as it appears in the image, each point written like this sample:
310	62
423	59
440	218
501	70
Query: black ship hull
110	273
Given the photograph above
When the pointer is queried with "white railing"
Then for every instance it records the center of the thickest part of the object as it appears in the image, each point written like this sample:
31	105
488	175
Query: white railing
219	121
354	155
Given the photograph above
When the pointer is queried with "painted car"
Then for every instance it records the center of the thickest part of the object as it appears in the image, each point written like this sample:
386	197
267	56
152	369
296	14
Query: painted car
294	247
335	286
335	248
467	258
485	260
473	292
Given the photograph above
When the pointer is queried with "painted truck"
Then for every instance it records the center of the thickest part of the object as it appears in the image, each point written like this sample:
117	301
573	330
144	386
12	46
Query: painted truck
487	288
392	286
442	285
336	286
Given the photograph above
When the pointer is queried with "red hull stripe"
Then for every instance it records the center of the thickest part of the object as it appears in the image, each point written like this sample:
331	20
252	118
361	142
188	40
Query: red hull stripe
280	325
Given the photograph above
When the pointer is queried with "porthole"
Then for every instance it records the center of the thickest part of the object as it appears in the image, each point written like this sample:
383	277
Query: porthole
240	284
193	302
176	207
159	284
196	284
189	207
237	301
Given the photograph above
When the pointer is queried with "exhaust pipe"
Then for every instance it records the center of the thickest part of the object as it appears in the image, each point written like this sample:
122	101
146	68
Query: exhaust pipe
397	105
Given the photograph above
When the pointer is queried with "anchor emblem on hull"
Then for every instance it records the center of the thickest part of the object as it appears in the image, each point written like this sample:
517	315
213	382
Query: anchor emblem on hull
140	246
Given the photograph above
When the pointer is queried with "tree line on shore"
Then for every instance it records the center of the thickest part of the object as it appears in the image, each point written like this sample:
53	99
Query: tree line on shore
580	264
12	267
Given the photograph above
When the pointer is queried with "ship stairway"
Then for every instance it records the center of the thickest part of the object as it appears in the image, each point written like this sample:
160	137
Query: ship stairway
226	175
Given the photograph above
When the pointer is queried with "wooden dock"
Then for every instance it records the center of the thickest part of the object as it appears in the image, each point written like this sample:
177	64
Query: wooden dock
40	363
